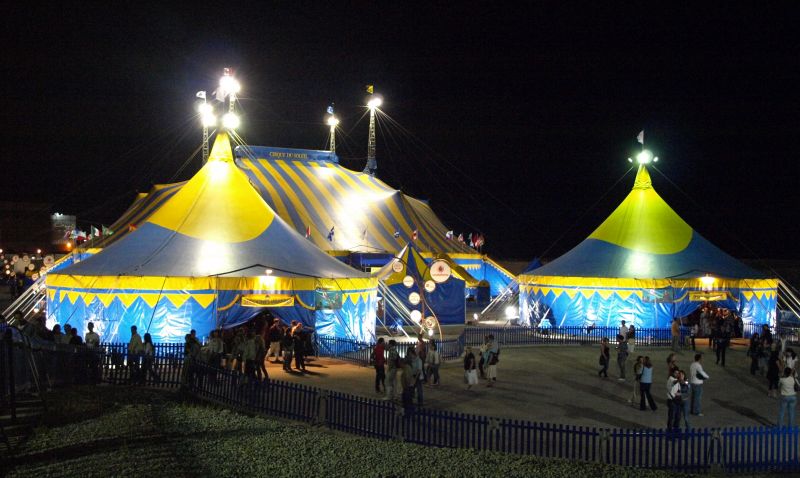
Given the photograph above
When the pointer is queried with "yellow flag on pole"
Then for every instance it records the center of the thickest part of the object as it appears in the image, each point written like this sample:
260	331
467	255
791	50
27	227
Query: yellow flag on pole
371	89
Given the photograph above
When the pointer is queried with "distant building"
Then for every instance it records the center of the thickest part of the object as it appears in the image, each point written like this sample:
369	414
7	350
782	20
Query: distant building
27	226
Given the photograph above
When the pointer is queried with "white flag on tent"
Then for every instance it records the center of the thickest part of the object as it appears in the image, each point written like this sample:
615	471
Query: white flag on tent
201	95
640	137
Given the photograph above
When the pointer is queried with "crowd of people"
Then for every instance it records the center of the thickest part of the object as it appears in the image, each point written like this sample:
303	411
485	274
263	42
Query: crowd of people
684	390
420	367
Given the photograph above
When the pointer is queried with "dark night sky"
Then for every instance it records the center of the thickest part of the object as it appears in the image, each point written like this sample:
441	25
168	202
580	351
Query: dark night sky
527	113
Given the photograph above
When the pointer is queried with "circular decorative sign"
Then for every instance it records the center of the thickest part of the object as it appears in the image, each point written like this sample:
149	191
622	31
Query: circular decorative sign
408	281
35	276
416	316
430	322
413	298
49	260
430	286
14	259
397	266
26	259
31	267
440	271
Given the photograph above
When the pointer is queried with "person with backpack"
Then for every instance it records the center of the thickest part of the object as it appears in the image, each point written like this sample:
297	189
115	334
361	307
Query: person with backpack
393	366
697	376
379	360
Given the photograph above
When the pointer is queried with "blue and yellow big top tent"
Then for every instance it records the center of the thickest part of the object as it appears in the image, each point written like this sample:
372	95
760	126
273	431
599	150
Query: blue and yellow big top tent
213	255
645	265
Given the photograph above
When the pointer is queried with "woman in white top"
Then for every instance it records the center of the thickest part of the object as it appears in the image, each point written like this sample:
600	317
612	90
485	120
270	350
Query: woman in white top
788	398
790	360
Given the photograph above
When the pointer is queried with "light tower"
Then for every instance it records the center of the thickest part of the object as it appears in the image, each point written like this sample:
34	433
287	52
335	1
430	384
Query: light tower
229	86
373	104
207	118
333	122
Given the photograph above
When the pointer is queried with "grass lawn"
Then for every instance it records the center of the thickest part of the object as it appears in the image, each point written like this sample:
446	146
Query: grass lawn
120	431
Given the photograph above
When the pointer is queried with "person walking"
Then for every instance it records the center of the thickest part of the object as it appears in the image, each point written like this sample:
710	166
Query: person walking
492	357
788	398
693	335
261	357
275	335
754	352
631	338
623	329
379	361
622	356
673	403
683	400
433	362
676	335
298	338
790	360
249	354
470	372
408	382
723	342
773	374
646	381
418	372
637	380
393	366
481	354
697	376
605	357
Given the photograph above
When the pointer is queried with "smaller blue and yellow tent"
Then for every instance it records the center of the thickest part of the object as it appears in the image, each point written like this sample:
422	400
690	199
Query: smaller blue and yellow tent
447	301
213	255
644	264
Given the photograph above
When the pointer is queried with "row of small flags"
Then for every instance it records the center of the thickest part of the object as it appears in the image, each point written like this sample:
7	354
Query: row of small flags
78	234
475	240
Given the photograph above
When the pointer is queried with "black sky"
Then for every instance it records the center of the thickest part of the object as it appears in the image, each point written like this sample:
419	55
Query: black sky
527	112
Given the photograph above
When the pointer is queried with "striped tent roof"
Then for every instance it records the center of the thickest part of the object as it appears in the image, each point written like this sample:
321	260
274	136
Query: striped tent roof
366	214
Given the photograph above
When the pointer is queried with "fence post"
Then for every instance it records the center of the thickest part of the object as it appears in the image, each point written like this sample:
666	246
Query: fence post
399	420
604	443
321	416
715	467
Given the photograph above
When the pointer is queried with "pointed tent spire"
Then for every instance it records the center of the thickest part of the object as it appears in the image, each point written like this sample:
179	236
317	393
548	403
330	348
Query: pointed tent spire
642	180
222	149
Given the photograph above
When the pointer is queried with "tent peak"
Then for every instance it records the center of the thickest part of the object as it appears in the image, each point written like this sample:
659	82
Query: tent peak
221	151
642	180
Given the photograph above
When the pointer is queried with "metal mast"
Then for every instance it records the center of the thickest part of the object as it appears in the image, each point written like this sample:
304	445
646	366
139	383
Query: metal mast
372	164
333	122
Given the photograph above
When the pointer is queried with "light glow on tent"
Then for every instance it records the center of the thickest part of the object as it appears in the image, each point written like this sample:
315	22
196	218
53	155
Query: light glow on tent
213	258
707	281
639	264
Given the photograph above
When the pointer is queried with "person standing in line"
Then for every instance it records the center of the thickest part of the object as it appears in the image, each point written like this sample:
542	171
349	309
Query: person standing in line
394	365
422	352
470	373
134	354
672	364
216	348
434	361
693	335
631	338
790	360
298	337
697	376
637	380
605	357
249	356
148	360
492	358
379	360
275	333
646	382
287	346
623	329
622	356
92	340
788	398
676	335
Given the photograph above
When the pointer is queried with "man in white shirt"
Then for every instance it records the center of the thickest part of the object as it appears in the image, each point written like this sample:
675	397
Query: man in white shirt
696	377
673	401
623	330
92	340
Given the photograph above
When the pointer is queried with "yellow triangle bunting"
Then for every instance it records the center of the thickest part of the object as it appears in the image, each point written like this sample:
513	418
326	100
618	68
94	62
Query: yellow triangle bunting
127	299
105	299
204	299
177	299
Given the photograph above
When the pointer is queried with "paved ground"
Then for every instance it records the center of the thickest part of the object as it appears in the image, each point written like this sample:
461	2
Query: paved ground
559	384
